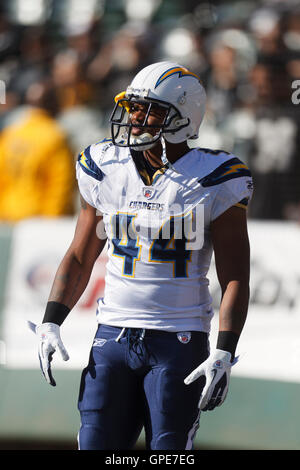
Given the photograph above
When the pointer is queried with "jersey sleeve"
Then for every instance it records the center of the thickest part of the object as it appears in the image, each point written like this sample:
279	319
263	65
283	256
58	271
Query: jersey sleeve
88	176
233	186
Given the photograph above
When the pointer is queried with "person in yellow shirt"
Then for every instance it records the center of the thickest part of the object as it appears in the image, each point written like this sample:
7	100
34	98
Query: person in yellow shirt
36	167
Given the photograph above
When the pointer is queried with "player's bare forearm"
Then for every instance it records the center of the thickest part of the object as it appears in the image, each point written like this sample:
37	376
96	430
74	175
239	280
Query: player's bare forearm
70	281
75	270
234	306
232	255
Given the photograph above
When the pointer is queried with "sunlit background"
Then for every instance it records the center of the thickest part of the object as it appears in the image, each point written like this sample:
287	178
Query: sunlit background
61	64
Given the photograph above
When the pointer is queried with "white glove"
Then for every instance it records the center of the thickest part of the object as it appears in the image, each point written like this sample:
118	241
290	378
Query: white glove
49	341
216	369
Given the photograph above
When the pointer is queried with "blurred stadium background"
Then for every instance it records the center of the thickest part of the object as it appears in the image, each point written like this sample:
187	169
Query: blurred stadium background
61	64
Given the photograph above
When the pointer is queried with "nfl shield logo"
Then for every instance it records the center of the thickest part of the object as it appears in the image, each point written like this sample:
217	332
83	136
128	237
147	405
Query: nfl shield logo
184	336
148	192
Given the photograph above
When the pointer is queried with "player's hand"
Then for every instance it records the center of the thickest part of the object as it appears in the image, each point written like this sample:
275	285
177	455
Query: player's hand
216	370
49	341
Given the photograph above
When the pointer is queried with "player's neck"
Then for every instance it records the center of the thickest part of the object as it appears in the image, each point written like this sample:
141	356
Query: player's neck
174	152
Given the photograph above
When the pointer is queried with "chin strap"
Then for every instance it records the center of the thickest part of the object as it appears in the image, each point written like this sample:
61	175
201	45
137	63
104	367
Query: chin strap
164	159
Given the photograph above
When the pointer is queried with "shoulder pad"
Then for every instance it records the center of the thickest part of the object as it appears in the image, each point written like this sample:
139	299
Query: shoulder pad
88	165
104	144
232	168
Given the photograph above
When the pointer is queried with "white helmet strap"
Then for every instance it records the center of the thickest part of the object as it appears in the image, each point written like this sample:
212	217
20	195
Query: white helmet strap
164	158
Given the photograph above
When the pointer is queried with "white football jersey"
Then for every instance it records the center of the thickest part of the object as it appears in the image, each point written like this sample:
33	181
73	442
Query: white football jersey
159	244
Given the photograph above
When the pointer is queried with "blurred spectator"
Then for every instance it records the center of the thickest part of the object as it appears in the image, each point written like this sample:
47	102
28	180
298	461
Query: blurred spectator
118	61
273	154
231	54
291	39
222	83
31	63
9	37
291	31
85	40
246	53
36	166
265	26
78	112
71	86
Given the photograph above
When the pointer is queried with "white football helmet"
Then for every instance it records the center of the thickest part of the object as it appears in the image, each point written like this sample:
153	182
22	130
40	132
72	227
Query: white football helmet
169	86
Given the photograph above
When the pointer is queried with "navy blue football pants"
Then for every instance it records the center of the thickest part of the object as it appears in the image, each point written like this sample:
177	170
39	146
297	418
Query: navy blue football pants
138	381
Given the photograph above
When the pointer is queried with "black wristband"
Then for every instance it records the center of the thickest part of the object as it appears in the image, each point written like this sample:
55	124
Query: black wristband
227	341
55	313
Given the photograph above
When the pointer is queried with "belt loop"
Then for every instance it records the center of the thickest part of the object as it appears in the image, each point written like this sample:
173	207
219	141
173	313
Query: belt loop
120	335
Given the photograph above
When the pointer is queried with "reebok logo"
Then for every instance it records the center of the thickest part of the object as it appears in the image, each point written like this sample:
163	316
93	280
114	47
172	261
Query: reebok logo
99	342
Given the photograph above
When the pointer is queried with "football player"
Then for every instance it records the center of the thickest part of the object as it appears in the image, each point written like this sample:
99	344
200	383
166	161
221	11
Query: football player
163	209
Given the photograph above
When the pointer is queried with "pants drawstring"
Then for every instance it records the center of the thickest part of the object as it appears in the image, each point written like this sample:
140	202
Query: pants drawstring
120	335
